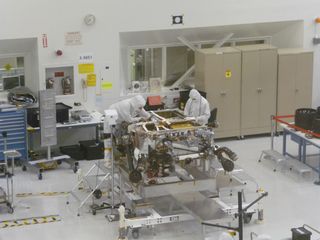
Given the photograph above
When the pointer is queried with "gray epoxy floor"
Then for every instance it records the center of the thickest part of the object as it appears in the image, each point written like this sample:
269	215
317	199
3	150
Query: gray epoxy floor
292	201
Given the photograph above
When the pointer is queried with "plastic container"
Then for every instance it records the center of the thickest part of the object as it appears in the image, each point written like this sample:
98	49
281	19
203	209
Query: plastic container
304	118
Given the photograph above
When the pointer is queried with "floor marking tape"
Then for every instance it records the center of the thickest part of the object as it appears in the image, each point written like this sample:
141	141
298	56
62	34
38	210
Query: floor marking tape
46	194
29	221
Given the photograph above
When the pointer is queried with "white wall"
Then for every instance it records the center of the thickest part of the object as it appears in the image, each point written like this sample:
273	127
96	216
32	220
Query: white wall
32	18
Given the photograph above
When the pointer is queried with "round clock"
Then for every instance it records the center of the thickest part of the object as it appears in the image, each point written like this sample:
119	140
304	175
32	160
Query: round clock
89	19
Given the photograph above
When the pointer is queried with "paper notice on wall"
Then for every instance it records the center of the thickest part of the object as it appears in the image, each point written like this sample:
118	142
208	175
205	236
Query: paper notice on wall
106	85
72	38
86	68
91	80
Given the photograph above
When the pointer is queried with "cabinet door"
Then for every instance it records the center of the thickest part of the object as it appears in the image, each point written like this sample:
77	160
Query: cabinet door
303	87
250	85
223	89
268	86
287	68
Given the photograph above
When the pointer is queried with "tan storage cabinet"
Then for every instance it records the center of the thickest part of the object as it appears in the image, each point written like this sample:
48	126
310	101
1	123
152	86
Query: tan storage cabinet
295	75
258	88
218	73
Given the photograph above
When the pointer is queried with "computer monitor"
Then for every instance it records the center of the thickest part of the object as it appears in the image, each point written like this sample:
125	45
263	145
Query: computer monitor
11	82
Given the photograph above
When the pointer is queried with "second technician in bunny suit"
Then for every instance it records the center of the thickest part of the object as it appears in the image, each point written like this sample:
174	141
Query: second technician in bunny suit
197	107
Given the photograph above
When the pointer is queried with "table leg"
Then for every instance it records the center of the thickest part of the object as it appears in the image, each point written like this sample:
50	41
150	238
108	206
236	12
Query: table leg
300	150
284	144
304	151
317	182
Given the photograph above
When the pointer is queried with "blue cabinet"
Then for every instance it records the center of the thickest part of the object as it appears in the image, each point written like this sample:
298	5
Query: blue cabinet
13	121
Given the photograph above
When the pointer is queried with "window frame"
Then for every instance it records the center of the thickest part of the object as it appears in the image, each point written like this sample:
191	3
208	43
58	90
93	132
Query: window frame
233	43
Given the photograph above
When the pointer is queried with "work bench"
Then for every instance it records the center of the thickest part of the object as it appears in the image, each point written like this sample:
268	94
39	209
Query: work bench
33	165
303	141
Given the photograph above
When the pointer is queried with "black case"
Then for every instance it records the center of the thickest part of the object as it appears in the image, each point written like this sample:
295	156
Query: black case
74	151
92	149
300	234
62	114
304	118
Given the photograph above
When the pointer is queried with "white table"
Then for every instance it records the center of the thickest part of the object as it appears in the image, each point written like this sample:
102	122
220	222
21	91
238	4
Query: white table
73	163
303	142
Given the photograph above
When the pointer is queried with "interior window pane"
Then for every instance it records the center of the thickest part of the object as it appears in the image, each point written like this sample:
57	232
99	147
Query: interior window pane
145	63
179	60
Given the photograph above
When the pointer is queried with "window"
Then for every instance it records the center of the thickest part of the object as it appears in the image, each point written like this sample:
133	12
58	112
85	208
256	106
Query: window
169	63
145	63
179	60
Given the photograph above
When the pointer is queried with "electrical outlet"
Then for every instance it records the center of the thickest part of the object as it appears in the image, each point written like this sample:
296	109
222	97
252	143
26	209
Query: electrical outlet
177	19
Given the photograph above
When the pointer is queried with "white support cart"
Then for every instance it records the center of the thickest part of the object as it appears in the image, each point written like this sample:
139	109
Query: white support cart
7	193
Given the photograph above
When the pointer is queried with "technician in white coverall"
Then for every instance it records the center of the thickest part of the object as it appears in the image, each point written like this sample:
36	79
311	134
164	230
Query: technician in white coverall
197	107
131	110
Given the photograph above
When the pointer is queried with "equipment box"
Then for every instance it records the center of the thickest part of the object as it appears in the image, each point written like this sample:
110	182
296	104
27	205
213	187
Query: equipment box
92	149
62	114
74	151
300	234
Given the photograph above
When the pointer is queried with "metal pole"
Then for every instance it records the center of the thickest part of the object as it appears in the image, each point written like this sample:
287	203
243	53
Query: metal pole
240	217
272	131
49	153
112	172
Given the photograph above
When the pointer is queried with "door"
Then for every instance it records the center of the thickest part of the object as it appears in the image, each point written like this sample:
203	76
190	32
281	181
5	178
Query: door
223	89
287	71
303	84
250	89
268	87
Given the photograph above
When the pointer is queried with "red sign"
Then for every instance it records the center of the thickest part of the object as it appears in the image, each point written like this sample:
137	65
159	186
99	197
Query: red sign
59	74
44	40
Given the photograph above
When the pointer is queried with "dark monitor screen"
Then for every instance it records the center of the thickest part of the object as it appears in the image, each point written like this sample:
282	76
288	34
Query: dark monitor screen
11	82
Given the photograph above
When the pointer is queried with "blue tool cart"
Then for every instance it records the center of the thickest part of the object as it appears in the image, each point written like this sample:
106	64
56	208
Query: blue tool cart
13	121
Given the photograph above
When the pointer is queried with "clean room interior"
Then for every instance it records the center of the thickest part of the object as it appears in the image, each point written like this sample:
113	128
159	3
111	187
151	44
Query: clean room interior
170	120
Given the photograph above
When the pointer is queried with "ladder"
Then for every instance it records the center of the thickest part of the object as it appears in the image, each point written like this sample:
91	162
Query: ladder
94	178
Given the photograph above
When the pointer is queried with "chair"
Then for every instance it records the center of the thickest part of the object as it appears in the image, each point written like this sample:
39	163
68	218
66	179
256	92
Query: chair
212	121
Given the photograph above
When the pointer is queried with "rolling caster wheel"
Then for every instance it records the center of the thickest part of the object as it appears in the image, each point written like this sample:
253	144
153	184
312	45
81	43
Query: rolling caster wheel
78	214
274	170
94	212
75	169
24	168
135	233
59	162
40	176
67	203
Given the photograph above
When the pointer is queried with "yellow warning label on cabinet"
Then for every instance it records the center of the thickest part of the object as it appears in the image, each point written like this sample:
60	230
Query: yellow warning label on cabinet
91	80
106	85
86	68
228	74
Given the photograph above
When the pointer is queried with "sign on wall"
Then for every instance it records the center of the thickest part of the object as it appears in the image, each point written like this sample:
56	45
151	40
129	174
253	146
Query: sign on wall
73	38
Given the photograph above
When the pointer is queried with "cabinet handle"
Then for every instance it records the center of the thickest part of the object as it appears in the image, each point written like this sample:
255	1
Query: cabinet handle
259	90
223	93
297	90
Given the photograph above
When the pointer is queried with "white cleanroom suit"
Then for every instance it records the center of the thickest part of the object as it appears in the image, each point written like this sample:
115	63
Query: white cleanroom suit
131	110
197	107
